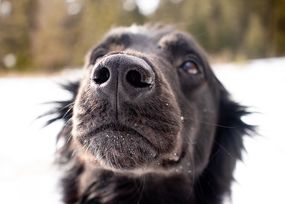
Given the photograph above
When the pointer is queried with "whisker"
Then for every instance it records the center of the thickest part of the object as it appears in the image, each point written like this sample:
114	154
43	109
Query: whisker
225	150
210	124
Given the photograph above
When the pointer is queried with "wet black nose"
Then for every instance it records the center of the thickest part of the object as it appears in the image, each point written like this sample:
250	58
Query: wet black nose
124	76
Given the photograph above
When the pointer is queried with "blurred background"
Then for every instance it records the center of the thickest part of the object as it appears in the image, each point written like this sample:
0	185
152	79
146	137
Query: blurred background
40	35
41	39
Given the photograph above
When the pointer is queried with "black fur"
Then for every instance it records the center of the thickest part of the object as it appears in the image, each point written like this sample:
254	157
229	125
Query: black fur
208	182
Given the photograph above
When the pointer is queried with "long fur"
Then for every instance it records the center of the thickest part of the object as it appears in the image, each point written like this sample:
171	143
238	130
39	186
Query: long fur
109	187
210	187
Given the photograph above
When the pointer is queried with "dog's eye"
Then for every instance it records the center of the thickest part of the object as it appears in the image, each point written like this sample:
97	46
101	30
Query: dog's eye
190	67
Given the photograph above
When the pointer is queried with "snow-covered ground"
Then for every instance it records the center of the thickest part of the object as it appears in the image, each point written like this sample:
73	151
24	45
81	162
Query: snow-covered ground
27	175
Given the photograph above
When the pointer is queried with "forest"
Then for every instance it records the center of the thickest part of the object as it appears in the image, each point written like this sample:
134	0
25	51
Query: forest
41	35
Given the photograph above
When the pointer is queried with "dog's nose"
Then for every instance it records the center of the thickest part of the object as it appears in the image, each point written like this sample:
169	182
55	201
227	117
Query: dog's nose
124	76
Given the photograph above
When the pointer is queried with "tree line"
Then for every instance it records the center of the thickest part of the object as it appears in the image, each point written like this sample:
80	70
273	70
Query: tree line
50	35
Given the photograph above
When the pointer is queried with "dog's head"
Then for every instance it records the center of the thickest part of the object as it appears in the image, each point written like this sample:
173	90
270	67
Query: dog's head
149	100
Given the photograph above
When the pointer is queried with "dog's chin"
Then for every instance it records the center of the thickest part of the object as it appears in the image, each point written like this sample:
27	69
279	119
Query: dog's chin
122	150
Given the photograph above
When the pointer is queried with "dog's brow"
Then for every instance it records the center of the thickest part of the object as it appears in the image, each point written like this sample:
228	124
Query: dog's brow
174	40
122	38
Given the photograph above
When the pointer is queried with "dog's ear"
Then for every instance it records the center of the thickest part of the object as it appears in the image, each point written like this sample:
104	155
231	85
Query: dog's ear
227	149
231	128
63	110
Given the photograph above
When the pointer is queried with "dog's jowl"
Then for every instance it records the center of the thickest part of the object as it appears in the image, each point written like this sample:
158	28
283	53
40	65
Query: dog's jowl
148	123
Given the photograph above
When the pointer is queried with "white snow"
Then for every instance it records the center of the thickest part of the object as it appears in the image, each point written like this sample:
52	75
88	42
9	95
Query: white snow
27	175
261	85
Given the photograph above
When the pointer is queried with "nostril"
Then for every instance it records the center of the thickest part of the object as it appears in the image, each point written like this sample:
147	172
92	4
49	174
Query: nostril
135	79
101	76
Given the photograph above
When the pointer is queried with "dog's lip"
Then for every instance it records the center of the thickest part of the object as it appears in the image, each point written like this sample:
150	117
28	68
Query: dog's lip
120	128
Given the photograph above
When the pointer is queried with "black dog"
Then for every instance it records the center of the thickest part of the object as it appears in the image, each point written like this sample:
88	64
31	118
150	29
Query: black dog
149	123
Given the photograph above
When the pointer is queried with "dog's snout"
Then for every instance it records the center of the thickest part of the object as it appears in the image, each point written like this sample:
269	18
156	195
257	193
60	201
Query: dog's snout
125	75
